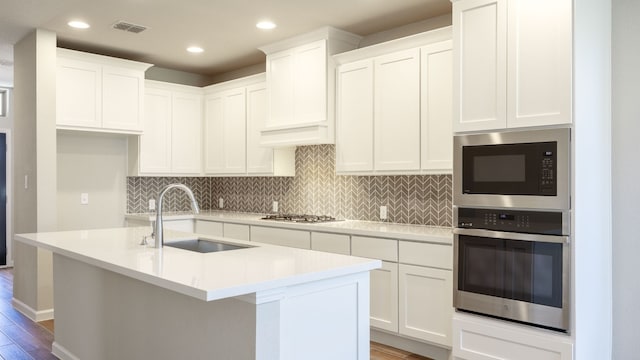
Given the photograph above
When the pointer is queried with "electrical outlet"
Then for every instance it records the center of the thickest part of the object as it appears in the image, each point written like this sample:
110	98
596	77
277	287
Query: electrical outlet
220	203
274	207
84	199
152	204
383	212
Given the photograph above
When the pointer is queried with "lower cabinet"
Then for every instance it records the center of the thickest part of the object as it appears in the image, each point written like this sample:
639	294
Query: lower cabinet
425	303
284	237
333	243
481	338
212	228
236	231
384	297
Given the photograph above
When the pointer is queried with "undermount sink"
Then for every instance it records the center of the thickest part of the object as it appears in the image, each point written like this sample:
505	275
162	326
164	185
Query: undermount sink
204	246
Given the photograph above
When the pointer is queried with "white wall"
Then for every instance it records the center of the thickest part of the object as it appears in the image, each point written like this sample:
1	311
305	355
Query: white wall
95	164
626	178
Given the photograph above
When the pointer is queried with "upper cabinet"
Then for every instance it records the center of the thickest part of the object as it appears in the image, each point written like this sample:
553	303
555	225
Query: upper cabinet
300	83
171	142
235	112
99	93
393	107
509	71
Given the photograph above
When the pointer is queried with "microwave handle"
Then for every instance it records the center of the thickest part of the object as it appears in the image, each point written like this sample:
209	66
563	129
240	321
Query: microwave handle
512	236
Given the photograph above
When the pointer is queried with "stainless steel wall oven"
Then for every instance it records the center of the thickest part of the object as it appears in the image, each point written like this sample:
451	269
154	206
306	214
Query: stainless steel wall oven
512	255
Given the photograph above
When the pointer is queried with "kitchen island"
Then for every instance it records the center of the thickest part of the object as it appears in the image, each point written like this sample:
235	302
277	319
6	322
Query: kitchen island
117	299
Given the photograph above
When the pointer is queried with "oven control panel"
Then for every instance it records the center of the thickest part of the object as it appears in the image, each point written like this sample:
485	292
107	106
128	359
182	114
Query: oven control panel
535	222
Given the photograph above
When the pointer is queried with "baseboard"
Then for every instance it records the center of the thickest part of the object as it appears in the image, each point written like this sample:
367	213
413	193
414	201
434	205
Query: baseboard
28	311
416	347
62	353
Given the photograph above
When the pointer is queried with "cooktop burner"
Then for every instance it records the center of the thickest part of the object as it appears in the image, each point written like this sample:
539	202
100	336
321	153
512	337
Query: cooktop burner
300	218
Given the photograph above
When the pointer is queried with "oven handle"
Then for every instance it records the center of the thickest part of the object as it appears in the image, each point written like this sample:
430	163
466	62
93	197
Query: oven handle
512	236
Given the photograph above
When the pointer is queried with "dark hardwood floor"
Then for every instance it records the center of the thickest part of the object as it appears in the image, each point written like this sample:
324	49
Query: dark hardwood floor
23	339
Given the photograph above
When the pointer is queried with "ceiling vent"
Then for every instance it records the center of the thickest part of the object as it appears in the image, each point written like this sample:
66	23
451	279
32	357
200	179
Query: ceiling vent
125	26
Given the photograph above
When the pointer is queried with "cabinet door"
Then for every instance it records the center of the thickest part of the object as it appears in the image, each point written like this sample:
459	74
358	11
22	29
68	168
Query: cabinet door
186	133
310	83
155	141
384	297
333	243
122	98
354	117
397	111
225	131
436	113
236	231
280	79
480	55
283	237
212	228
78	93
426	303
539	62
259	158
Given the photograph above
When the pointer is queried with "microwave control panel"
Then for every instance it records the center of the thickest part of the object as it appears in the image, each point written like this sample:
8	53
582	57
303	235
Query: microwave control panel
535	222
547	170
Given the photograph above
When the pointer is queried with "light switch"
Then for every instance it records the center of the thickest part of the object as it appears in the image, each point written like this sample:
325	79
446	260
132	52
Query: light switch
152	204
84	199
274	207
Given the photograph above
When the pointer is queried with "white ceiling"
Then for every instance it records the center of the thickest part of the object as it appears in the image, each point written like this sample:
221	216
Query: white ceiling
224	28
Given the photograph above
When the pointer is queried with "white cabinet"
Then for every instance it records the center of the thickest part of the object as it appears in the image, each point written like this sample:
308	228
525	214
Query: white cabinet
225	132
482	338
171	142
235	113
394	106
384	297
236	231
384	281
333	243
354	125
426	291
212	228
397	111
284	237
99	93
155	143
425	303
509	71
300	82
436	107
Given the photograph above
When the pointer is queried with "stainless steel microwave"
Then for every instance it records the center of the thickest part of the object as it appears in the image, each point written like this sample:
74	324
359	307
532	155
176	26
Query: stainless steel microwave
515	169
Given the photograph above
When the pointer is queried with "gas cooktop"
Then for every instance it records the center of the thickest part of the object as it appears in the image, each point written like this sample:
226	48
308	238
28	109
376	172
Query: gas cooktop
300	218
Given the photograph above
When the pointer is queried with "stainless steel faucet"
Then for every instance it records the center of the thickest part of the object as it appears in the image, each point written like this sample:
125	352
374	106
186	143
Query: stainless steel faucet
158	235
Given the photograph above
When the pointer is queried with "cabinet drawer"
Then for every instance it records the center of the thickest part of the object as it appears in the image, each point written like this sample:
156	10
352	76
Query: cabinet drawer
283	237
236	231
424	254
375	248
211	228
333	243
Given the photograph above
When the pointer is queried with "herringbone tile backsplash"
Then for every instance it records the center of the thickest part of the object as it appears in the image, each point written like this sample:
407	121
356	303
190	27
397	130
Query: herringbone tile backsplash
316	189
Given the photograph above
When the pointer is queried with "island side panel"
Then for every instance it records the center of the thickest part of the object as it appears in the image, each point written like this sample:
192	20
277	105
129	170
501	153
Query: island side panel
327	319
104	315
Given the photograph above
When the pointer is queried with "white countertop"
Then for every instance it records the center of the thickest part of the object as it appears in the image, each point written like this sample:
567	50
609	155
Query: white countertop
208	276
397	231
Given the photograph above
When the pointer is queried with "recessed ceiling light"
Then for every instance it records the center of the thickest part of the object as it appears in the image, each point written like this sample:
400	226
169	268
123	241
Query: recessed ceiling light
195	49
265	25
78	24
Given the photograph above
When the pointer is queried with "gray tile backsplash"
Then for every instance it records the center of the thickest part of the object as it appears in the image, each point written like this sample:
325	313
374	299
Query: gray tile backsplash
316	189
